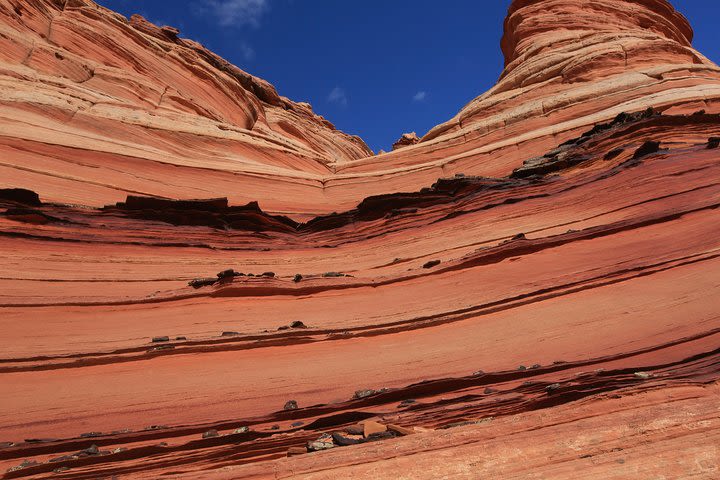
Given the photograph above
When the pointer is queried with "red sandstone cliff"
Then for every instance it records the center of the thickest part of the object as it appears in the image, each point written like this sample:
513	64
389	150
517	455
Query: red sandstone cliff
530	290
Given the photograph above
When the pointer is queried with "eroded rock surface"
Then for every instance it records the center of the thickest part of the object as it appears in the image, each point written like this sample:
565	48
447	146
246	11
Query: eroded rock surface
182	247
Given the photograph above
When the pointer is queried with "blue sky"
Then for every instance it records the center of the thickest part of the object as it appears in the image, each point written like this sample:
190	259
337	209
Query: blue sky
375	68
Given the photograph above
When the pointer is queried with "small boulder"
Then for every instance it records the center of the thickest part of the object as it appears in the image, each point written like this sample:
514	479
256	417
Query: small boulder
291	405
324	442
91	450
180	339
297	424
298	324
370	427
355	429
522	368
160	339
407	402
643	375
359	394
535	366
713	143
241	430
344	441
297	278
230	334
268	275
210	434
552	388
225	274
91	435
275	427
431	264
489	390
519	236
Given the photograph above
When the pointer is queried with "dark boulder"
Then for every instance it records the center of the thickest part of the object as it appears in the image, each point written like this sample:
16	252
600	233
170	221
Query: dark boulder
230	273
431	264
291	405
713	142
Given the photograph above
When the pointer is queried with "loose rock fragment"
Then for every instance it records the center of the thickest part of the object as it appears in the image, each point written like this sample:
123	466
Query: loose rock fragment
291	405
431	264
230	334
297	278
643	375
552	388
298	324
160	339
344	440
359	394
355	430
225	274
370	427
324	442
241	430
713	142
210	434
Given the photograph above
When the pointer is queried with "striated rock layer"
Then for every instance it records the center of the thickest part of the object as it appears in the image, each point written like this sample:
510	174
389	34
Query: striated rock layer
201	279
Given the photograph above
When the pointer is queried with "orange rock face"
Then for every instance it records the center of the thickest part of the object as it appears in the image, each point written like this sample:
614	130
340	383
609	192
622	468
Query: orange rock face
202	279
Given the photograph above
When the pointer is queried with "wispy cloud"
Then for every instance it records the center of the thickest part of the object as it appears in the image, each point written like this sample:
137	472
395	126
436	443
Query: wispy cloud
420	96
237	13
337	95
247	52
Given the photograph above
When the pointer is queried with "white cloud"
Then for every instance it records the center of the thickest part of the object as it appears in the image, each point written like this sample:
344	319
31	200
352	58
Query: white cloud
247	51
338	96
237	13
420	96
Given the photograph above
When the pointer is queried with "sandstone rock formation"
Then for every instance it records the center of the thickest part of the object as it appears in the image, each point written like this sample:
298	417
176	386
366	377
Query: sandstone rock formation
531	289
405	140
